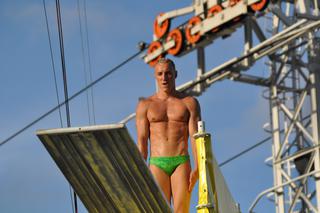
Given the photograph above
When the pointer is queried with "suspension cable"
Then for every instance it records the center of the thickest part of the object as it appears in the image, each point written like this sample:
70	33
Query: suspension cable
89	59
65	82
83	59
63	63
55	83
52	59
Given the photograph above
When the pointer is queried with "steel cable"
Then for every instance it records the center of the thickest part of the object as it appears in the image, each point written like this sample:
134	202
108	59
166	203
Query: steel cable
55	82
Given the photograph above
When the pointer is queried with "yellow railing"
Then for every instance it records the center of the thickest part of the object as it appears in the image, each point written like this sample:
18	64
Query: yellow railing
214	195
208	199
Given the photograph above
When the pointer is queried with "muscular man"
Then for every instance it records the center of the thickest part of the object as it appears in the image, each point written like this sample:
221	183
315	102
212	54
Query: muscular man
168	118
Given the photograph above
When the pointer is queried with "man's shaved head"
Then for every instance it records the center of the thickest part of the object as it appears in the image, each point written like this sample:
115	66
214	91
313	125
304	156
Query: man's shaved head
166	61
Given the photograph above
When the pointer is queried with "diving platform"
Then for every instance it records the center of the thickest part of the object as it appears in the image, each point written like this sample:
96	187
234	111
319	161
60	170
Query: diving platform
105	168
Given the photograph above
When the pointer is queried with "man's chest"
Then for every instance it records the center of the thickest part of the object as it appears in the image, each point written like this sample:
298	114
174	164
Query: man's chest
162	111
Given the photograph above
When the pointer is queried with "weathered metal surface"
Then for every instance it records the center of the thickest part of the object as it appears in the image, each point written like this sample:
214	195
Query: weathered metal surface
105	168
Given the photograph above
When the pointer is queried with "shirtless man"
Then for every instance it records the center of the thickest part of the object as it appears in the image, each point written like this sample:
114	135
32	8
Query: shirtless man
168	118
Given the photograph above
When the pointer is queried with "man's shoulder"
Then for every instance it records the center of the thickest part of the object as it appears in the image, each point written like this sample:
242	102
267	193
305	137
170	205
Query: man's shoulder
142	106
144	102
190	100
191	103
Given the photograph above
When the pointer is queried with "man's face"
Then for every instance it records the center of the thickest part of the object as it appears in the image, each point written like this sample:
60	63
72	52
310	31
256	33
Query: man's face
165	76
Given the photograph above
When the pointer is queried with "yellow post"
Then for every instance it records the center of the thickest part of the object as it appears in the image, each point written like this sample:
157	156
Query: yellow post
208	200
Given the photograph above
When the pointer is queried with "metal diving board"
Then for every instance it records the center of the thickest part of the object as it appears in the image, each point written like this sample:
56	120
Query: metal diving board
105	168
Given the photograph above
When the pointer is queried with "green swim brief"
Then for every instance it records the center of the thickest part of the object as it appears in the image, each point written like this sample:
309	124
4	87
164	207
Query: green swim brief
169	164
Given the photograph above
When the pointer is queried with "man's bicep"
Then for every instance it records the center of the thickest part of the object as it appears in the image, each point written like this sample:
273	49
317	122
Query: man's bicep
142	123
195	115
197	110
142	128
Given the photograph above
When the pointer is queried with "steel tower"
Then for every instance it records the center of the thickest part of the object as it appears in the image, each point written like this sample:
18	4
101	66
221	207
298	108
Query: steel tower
294	111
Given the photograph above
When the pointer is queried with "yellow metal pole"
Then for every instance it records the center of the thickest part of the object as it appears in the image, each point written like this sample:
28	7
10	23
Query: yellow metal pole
208	200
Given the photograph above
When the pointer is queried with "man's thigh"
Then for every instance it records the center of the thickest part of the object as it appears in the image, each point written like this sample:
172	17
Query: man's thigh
179	187
162	179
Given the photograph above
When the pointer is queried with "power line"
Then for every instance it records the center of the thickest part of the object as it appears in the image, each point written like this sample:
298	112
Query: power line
244	151
71	98
52	59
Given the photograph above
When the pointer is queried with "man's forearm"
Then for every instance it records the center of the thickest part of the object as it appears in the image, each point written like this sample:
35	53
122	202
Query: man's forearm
143	150
194	153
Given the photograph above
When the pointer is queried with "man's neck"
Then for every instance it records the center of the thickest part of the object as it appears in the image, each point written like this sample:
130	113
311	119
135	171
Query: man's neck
166	94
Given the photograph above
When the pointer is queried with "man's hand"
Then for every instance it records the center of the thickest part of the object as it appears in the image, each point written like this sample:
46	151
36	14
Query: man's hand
194	175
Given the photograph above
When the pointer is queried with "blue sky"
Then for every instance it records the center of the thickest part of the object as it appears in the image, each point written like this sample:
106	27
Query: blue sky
30	181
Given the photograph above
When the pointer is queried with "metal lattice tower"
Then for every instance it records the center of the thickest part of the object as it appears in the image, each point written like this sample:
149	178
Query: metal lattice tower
293	86
294	112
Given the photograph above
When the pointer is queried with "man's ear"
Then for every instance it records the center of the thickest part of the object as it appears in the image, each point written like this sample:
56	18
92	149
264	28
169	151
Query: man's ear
176	73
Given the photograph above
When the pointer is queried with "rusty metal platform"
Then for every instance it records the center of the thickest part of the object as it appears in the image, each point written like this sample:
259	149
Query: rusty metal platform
105	168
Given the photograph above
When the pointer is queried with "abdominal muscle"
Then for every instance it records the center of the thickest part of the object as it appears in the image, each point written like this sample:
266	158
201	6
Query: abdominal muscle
169	138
